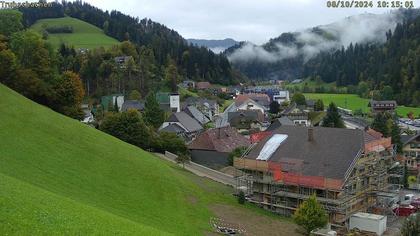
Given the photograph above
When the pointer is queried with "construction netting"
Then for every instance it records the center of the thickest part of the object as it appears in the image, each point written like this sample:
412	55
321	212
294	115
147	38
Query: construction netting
288	178
255	138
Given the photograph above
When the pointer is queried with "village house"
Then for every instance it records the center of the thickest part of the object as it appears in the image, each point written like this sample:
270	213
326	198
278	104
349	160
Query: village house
284	120
202	85
168	102
188	84
208	107
132	105
411	151
344	168
88	116
261	98
246	120
121	61
297	116
244	103
111	100
197	115
382	106
182	124
281	96
310	105
212	147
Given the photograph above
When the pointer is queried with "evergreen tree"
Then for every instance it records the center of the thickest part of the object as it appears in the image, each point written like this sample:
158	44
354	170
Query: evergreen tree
116	109
241	197
310	215
395	136
380	124
274	107
153	115
171	75
319	105
405	176
333	117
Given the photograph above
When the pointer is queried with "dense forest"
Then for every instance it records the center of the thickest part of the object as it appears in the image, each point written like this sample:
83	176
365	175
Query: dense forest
257	69
394	65
150	57
164	45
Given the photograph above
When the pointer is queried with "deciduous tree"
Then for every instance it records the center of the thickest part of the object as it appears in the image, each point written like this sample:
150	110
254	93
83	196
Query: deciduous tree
127	126
299	99
310	215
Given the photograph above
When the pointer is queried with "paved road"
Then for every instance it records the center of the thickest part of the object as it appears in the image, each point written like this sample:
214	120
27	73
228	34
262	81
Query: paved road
203	171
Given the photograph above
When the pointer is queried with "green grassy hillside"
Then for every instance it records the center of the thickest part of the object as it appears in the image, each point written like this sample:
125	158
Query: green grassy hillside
84	34
354	102
58	176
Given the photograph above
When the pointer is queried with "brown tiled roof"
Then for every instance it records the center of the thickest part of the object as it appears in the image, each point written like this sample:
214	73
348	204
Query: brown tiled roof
224	139
372	135
202	85
260	98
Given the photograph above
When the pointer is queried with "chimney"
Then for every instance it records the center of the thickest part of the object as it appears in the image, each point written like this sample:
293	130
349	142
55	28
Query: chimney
310	134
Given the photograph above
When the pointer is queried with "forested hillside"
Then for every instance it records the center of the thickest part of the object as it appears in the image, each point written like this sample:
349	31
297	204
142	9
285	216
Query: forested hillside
393	67
197	63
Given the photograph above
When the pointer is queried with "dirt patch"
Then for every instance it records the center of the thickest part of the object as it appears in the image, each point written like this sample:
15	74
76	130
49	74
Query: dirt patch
192	200
251	223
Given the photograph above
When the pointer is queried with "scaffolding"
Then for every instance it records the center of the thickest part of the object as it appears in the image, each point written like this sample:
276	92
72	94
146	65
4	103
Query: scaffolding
266	184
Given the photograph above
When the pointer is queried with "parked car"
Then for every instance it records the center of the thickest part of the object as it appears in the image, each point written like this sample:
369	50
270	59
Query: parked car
404	210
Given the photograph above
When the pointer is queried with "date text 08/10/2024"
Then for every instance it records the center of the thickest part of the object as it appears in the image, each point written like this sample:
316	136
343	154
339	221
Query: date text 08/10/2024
370	4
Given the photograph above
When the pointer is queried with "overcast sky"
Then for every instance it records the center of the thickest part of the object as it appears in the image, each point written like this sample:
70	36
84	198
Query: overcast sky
243	20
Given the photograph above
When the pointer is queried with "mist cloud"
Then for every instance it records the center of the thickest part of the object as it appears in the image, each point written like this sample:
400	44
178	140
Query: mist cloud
356	29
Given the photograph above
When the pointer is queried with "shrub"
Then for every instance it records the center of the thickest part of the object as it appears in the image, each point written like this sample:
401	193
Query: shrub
66	29
241	197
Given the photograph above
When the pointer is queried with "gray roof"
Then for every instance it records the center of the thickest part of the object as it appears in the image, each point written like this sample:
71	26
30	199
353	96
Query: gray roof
330	154
405	139
284	120
383	104
172	128
187	121
310	102
132	104
254	115
199	102
289	109
197	115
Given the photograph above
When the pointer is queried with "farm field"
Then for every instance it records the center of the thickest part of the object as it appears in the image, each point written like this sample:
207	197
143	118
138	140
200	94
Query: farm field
84	35
59	176
354	102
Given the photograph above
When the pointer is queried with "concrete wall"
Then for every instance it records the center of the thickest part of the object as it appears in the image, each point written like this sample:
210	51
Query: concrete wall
205	171
211	159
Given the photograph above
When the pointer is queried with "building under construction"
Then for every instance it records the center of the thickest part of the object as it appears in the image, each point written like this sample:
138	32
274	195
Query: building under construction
346	169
